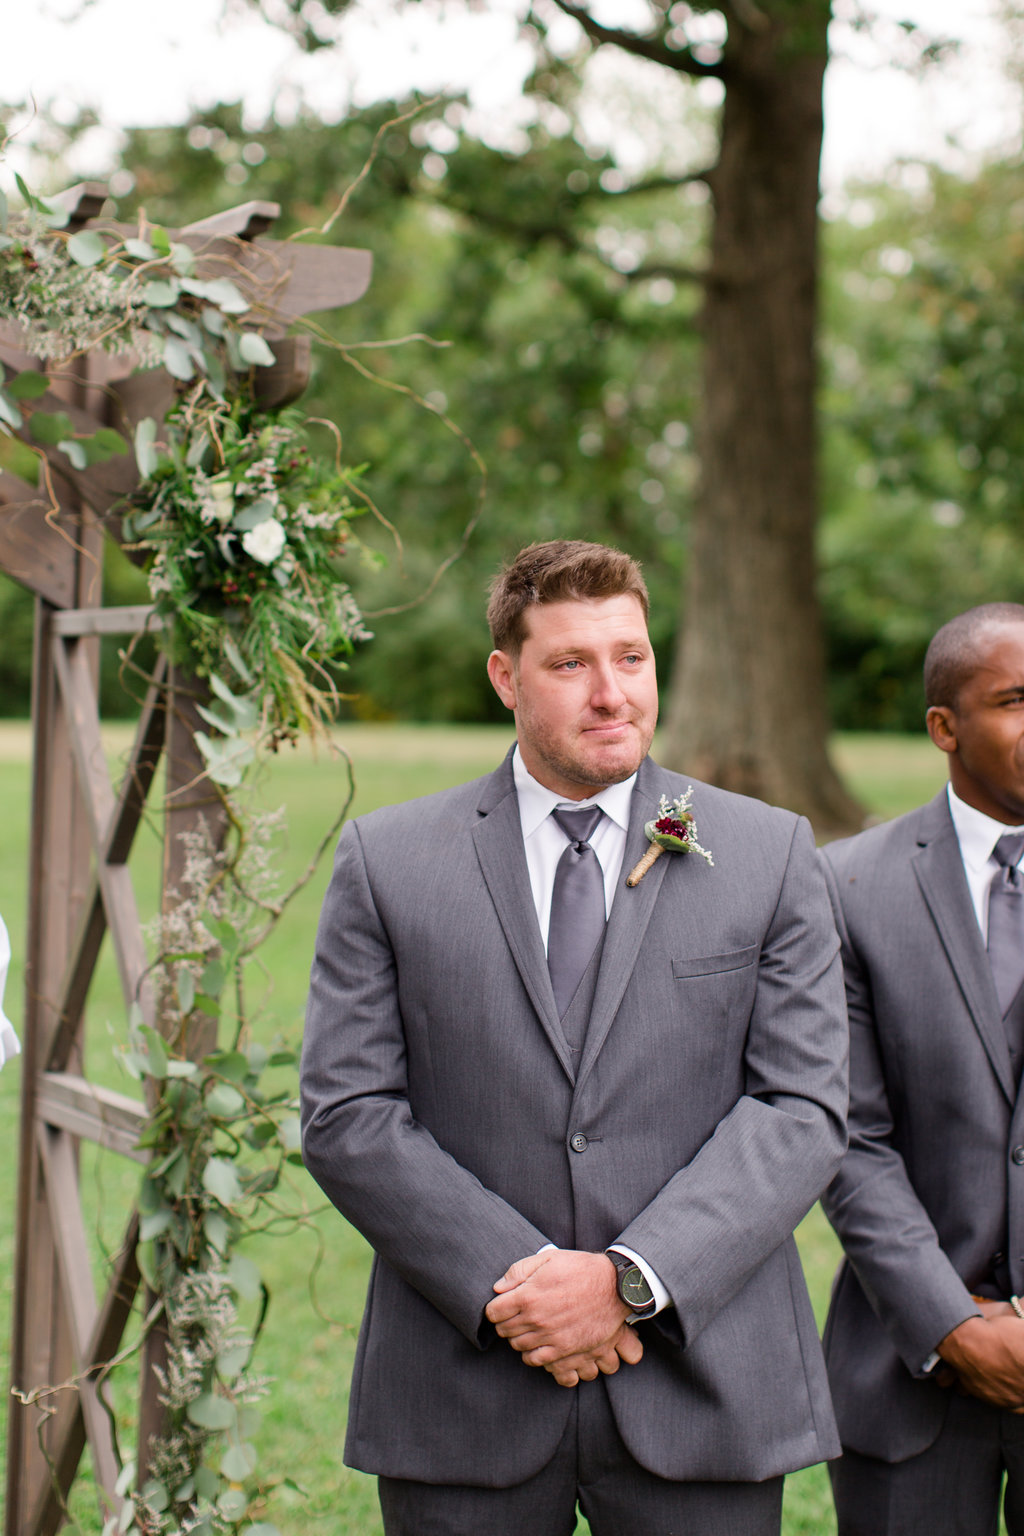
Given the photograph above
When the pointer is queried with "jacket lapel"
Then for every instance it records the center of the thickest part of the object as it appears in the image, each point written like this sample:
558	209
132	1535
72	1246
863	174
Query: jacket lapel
630	914
498	838
940	874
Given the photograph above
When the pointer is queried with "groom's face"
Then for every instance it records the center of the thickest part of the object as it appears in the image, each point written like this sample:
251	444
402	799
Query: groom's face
584	692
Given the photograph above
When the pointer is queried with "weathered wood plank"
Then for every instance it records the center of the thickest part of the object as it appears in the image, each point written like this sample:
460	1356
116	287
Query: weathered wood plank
110	1325
130	620
244	222
68	1227
78	691
103	1115
32	551
147	749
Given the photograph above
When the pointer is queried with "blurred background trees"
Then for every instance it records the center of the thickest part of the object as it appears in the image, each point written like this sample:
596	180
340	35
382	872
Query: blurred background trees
566	288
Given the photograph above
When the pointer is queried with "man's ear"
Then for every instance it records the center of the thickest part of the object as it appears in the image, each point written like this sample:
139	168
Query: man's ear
502	674
941	723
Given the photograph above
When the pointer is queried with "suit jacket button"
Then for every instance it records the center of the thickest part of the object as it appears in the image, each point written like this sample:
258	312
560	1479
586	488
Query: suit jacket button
1018	1155
579	1143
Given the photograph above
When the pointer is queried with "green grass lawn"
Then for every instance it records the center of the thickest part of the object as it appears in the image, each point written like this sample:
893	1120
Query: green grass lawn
317	1273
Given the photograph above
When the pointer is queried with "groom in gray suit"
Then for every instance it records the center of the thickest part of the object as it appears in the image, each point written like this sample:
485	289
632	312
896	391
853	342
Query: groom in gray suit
578	1119
925	1338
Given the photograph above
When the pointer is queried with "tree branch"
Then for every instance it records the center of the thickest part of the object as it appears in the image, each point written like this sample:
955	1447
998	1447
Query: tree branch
665	183
642	47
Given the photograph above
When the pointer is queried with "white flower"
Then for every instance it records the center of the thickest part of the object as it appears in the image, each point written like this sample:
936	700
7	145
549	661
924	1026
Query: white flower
264	542
218	502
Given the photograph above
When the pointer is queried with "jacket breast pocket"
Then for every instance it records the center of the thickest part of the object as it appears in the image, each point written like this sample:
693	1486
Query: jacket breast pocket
714	965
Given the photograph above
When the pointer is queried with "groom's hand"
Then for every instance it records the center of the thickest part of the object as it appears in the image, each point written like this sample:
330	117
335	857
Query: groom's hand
560	1309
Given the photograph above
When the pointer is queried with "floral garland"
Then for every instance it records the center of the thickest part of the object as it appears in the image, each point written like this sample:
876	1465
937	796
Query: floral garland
242	530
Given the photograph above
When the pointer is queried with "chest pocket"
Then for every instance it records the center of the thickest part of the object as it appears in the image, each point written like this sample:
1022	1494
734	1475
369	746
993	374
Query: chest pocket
714	965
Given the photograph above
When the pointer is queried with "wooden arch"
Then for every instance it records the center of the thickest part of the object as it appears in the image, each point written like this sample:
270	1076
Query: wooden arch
82	830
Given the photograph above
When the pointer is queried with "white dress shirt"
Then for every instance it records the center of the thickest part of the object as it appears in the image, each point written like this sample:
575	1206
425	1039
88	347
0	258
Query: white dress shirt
545	842
977	835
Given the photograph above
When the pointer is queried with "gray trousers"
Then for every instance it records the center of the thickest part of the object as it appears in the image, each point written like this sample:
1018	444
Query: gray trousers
593	1468
951	1489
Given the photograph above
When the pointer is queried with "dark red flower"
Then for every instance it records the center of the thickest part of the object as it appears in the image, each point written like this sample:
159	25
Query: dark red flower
671	827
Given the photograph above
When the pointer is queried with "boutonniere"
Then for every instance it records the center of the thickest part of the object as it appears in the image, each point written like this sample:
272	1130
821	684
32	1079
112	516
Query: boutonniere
674	829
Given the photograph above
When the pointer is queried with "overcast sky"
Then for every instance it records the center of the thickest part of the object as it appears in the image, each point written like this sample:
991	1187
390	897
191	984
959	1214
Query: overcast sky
141	63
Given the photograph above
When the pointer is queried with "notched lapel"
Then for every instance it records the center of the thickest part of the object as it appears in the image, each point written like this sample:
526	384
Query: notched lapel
940	874
498	839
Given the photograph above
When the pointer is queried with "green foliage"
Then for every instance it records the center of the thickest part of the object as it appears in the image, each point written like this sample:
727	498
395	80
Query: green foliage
923	427
242	530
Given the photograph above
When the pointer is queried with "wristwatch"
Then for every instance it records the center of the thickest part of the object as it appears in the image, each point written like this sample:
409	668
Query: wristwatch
632	1285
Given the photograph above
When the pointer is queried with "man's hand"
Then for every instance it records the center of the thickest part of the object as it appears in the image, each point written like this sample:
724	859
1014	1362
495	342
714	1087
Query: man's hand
560	1309
987	1354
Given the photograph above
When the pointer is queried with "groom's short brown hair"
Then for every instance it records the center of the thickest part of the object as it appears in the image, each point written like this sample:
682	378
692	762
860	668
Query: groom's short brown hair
562	570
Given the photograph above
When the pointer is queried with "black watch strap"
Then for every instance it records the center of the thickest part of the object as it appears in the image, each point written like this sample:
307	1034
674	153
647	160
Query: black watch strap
632	1286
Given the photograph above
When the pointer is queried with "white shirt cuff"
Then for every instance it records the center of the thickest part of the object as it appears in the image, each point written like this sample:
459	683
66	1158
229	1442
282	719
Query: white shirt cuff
662	1299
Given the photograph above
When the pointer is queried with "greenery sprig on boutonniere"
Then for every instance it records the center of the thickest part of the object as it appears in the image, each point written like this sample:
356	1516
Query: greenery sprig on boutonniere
674	829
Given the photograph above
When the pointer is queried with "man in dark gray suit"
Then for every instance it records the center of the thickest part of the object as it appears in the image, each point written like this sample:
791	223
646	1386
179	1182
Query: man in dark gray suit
584	1153
924	1341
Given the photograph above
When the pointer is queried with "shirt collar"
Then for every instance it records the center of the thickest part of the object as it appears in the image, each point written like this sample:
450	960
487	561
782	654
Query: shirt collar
976	832
536	801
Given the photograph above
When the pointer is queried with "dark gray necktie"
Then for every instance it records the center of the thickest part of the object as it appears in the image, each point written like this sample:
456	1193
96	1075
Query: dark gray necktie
1006	920
577	905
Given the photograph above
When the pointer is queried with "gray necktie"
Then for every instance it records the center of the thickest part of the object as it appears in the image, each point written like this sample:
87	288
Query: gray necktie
1006	920
577	905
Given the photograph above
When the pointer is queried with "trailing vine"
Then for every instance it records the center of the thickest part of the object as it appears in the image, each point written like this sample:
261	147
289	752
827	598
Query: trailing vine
242	529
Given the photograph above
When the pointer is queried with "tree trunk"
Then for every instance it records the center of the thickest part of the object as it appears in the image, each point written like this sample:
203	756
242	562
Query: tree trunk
747	707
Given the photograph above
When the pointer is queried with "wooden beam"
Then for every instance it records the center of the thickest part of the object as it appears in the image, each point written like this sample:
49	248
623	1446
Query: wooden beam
106	621
111	1119
244	222
71	663
32	551
83	202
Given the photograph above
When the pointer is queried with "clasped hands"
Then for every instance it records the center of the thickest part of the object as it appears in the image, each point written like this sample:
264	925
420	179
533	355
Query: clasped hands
985	1356
560	1310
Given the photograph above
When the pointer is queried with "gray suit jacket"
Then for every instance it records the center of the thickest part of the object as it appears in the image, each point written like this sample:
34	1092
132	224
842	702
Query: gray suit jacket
440	1096
925	1193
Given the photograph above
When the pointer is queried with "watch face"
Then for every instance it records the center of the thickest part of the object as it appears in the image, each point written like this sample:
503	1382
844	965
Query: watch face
633	1288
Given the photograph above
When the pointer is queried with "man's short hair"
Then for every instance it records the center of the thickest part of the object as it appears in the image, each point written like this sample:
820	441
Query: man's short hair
563	570
952	657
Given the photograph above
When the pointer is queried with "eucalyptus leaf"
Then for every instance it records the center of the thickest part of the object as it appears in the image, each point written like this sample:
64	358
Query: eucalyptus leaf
232	1360
230	1064
239	1462
233	1503
155	1494
161	293
183	259
258	1057
27	385
140	250
213	978
255	513
223	292
221	1181
211	1412
290	1133
50	427
213	320
155	1225
178	360
9	411
86	248
245	1277
146	456
218	1233
145	1256
161	240
253	348
186	987
186	329
224	1102
181	1069
237	660
207	1483
125	1479
74	451
104	444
